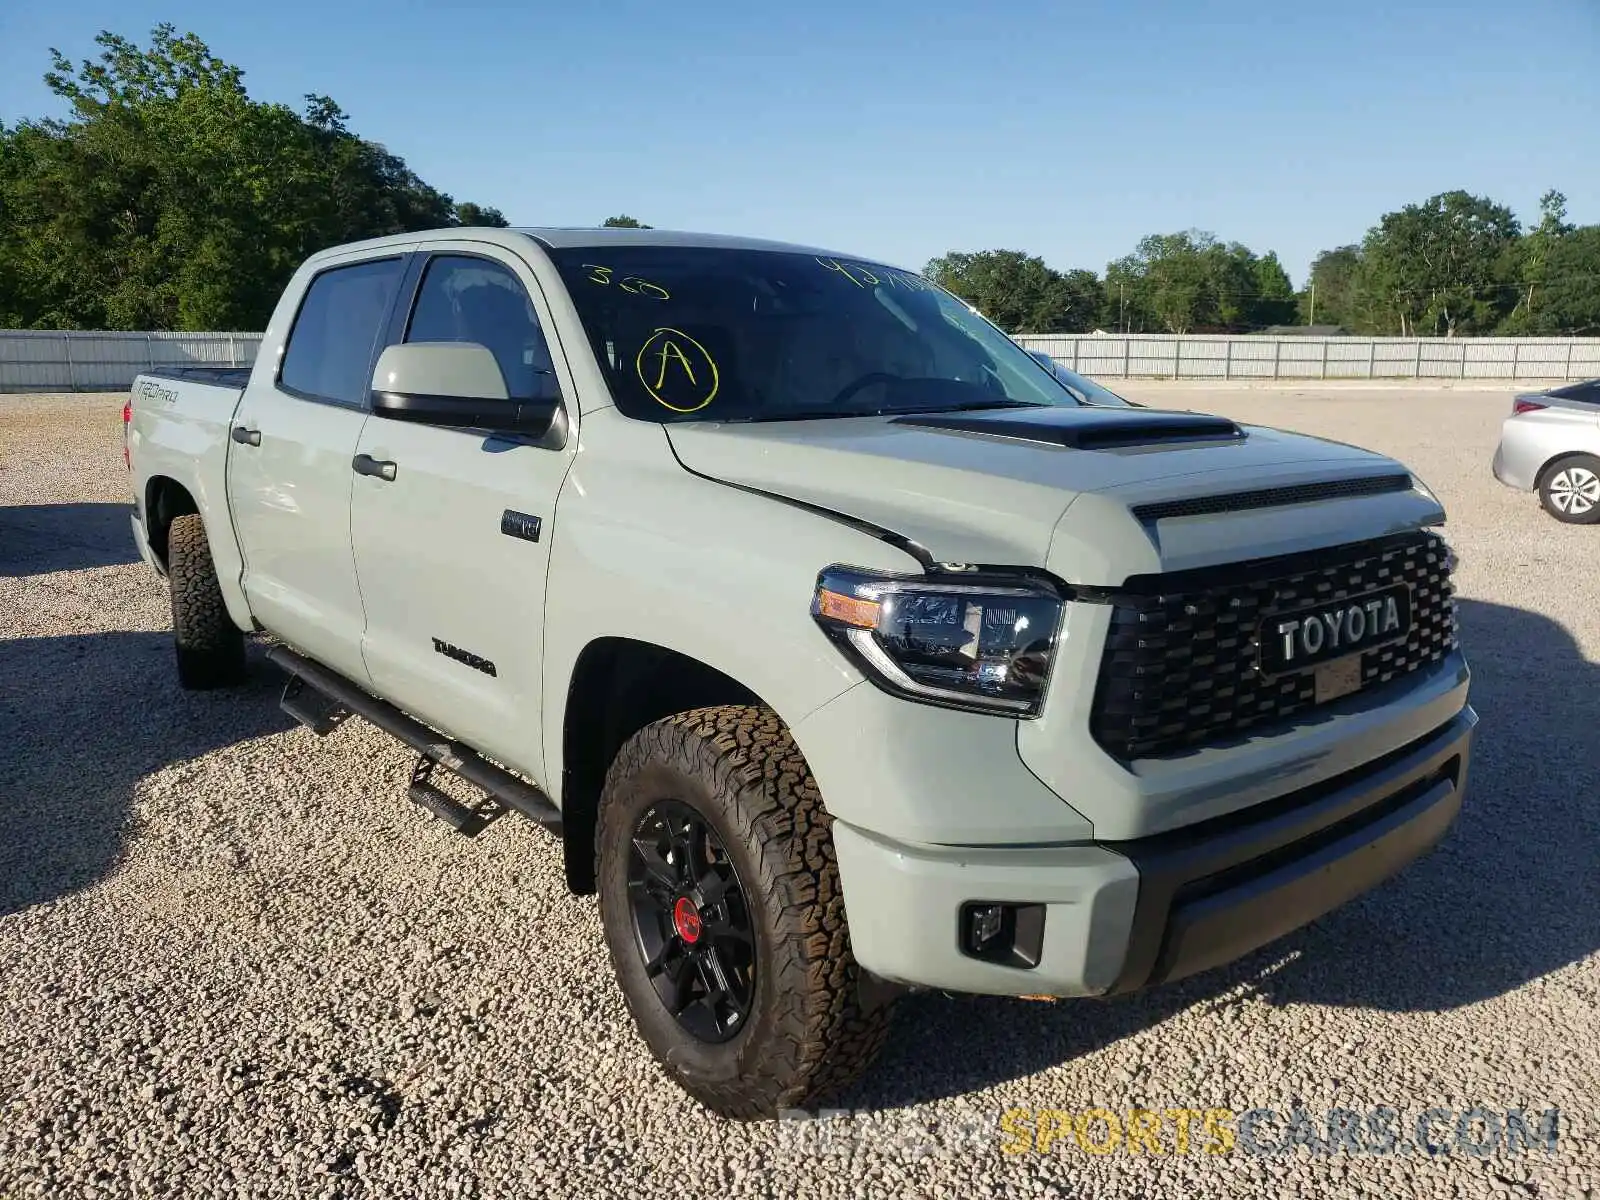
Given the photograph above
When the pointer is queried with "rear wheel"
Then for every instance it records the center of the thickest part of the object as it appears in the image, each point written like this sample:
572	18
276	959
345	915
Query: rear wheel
720	898
210	647
1570	490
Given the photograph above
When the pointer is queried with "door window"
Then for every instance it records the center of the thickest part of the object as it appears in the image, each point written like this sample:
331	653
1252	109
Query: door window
329	356
474	300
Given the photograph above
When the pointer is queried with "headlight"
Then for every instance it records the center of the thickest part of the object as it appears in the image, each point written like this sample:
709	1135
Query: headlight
974	645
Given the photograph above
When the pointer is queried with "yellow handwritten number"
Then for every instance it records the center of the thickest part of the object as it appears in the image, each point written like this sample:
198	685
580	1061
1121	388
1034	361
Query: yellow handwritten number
643	287
599	274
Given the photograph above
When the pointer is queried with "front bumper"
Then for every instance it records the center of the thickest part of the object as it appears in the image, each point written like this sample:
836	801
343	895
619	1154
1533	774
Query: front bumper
1124	915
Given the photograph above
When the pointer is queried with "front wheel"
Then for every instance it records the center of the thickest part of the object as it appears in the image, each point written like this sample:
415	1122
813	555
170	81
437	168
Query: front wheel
720	898
1570	490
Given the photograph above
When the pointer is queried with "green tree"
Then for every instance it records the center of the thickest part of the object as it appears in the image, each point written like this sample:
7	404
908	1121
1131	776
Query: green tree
622	222
1569	299
169	199
1169	276
1439	267
1084	299
468	213
1274	302
1528	261
1017	291
1332	296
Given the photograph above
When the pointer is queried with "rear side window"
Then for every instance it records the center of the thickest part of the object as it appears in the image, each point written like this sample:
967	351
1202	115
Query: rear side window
330	348
474	300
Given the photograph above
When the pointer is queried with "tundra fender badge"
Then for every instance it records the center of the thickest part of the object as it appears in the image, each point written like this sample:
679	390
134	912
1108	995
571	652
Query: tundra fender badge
463	656
520	525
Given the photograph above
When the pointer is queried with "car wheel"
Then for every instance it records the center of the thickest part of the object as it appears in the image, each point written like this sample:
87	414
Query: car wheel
210	647
720	899
1570	490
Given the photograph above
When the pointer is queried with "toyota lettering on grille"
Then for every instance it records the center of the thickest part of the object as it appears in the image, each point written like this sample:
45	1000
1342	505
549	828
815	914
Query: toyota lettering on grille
1293	640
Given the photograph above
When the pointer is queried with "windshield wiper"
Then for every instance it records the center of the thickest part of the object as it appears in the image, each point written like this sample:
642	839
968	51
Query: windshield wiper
976	405
823	414
811	414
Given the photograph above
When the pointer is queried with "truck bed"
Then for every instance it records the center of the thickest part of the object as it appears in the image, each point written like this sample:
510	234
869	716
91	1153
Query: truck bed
230	377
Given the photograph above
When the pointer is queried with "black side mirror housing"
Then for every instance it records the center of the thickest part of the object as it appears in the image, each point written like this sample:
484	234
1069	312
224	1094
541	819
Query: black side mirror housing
537	420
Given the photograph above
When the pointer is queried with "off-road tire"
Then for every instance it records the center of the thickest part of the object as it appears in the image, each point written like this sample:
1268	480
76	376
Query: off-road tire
1568	487
210	647
808	1034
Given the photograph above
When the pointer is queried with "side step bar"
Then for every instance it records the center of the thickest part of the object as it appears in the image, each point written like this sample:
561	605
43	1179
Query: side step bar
341	694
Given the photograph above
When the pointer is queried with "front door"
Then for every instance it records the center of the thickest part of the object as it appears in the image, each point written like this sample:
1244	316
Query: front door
451	552
289	476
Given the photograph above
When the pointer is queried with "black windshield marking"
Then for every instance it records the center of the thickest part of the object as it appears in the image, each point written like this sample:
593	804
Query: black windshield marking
786	332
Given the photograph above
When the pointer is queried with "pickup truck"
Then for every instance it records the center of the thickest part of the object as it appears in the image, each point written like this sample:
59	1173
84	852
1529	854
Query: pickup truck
846	651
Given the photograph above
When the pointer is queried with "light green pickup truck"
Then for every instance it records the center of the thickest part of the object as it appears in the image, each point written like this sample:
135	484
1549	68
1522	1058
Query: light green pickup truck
844	646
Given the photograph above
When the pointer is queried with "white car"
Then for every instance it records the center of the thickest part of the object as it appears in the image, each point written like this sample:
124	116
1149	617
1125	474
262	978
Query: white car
845	649
1551	444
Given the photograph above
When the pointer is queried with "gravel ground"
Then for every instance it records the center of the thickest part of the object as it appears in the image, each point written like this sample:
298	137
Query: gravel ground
235	961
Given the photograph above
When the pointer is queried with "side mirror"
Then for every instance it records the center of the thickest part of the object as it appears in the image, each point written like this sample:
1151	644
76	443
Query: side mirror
459	384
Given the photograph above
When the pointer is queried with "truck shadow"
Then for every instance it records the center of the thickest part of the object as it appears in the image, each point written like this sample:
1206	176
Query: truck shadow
39	539
1511	895
86	717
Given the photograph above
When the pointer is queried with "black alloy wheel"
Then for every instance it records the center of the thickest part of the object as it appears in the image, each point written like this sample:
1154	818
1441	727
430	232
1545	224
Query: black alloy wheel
691	922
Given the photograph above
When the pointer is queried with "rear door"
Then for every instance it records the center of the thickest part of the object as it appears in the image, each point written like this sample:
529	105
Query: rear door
451	552
289	464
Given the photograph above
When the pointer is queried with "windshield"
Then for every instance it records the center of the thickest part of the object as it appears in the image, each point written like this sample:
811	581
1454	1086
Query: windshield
706	334
1086	389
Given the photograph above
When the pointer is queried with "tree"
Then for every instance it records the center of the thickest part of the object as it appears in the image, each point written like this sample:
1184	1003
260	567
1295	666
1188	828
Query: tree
1170	275
1084	298
1331	296
1528	261
1569	302
1274	299
468	213
622	222
1439	266
1017	291
170	199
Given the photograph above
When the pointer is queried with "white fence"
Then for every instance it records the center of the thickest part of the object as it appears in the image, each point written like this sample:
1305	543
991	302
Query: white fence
57	361
1258	357
48	360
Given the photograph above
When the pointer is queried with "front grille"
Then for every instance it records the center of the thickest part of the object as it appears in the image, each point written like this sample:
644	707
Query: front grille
1300	493
1179	668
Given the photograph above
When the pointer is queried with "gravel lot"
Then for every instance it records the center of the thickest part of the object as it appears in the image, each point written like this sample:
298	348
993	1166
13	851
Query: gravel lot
234	960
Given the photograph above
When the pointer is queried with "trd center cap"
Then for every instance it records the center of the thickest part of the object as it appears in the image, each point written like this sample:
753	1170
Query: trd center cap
686	920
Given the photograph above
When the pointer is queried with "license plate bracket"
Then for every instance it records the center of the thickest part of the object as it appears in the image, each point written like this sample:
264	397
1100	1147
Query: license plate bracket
1338	678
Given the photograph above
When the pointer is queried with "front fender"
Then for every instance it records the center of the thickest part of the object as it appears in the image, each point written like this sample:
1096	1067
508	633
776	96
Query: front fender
643	549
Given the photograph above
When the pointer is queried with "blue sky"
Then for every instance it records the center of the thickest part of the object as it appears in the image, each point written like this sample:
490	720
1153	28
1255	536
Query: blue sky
900	130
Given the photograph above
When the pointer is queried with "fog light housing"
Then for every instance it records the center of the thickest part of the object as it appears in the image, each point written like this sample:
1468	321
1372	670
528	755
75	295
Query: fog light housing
1009	934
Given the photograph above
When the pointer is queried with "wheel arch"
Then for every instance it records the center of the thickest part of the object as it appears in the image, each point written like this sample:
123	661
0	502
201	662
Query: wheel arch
165	500
617	687
1556	460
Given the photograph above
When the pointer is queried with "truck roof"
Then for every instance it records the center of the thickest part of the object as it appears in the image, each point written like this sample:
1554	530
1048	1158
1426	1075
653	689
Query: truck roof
573	237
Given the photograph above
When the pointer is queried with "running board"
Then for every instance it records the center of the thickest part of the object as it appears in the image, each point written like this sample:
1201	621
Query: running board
340	693
319	713
469	820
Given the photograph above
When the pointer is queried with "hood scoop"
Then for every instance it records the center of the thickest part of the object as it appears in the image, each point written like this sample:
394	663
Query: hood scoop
1086	428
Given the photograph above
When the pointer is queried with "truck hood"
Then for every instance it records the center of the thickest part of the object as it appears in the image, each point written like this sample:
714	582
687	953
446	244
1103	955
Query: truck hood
1093	494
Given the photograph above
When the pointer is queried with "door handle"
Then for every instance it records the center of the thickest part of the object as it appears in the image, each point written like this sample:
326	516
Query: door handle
246	437
365	464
